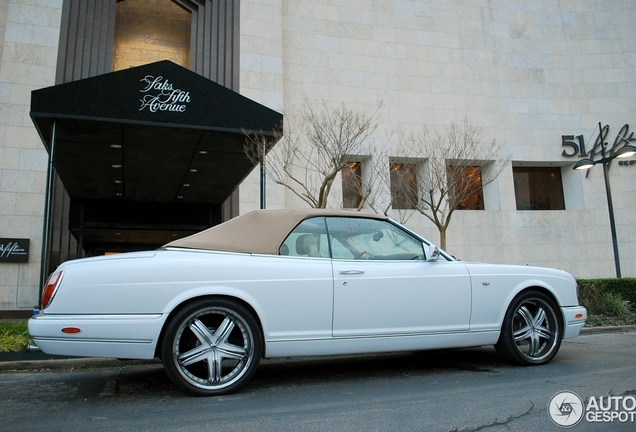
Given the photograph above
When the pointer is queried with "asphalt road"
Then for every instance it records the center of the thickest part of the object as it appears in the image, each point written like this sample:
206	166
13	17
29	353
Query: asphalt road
454	390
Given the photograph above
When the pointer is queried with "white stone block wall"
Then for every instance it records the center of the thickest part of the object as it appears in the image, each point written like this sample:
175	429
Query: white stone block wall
262	80
29	33
526	72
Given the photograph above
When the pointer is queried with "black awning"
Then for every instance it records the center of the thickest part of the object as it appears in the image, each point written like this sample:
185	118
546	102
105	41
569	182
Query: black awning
153	133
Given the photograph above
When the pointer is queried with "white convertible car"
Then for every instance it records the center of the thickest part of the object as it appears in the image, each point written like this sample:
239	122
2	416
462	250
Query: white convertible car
285	283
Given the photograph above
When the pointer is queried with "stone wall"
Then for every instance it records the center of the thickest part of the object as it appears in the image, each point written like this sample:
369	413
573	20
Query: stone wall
27	62
525	72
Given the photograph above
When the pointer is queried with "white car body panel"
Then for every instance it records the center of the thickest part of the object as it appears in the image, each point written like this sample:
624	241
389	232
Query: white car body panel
296	310
394	343
301	301
400	297
304	306
117	336
494	285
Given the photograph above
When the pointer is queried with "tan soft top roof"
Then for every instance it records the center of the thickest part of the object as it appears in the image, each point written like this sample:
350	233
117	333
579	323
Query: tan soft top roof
260	231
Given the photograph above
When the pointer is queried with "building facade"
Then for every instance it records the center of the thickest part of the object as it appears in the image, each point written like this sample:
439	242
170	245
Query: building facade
547	80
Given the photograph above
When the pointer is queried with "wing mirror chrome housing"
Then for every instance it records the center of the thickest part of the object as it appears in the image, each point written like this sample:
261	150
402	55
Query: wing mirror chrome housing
432	252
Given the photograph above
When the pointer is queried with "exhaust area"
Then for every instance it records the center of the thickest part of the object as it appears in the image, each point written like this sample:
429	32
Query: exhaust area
33	348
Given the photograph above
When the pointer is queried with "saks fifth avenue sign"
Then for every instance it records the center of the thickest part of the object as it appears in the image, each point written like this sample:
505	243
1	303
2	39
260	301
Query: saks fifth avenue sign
14	250
574	146
160	95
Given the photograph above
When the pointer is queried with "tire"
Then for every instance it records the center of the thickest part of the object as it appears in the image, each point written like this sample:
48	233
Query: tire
211	347
531	330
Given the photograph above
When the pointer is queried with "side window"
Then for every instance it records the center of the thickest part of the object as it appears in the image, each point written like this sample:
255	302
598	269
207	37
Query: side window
308	239
358	238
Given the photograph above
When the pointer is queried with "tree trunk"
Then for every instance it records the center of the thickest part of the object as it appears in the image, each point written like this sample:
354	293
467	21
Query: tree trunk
442	238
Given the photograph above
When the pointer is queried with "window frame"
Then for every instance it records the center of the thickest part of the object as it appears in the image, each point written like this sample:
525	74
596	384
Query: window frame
409	246
290	243
476	197
533	203
399	191
357	178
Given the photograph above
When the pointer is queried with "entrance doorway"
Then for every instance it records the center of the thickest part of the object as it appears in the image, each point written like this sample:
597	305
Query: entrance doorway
144	155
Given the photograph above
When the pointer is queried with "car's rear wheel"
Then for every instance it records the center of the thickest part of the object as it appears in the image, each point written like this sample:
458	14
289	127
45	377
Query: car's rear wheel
211	347
531	330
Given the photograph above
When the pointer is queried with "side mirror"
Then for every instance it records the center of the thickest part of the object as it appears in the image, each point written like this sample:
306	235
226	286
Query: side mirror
432	253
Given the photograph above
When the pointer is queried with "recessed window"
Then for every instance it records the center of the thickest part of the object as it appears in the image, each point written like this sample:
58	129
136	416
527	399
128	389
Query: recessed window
352	185
465	187
403	185
147	31
538	188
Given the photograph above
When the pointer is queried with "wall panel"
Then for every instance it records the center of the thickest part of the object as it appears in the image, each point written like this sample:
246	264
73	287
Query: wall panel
86	39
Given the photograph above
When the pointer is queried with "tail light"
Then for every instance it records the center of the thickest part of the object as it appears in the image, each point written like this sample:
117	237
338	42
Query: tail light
50	288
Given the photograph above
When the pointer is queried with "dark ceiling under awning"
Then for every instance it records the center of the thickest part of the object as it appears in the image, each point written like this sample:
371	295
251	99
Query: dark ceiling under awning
155	133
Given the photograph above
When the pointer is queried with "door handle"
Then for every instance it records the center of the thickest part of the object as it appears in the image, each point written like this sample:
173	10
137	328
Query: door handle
351	272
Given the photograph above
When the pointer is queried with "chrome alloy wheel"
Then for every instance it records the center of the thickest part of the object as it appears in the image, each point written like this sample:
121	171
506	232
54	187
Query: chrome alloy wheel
531	330
535	329
214	348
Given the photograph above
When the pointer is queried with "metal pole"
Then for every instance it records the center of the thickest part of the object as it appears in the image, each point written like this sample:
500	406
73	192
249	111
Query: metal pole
610	207
263	177
46	229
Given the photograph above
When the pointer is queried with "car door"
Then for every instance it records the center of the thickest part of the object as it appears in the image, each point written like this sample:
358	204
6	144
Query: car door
299	294
383	284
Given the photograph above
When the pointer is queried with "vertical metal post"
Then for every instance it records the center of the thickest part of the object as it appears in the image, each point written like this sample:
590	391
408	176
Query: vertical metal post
263	176
610	207
48	204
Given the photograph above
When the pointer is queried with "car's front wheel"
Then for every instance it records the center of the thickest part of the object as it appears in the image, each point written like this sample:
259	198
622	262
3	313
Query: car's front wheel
211	347
531	330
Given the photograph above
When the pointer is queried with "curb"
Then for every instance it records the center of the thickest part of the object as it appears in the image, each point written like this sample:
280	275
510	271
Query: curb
612	329
70	363
24	364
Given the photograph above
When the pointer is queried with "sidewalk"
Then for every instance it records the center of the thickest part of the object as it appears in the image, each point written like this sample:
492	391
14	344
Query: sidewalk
22	361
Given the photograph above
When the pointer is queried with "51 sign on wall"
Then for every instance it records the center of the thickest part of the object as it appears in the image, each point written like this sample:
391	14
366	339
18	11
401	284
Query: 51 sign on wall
575	145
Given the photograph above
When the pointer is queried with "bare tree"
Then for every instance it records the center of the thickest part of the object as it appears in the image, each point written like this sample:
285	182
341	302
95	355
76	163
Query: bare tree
453	170
318	143
368	182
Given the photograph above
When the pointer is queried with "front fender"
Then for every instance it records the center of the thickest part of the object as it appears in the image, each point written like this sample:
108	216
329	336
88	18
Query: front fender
495	286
